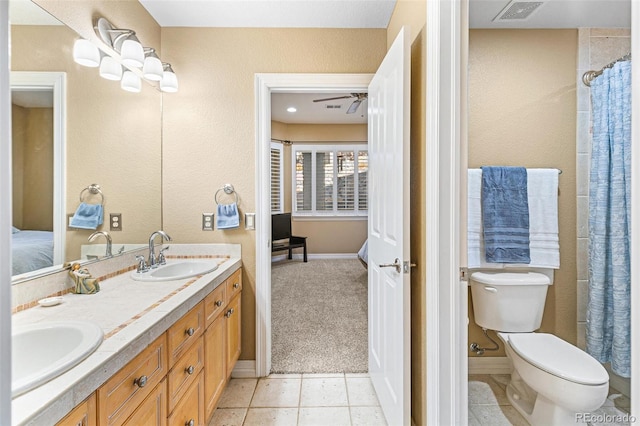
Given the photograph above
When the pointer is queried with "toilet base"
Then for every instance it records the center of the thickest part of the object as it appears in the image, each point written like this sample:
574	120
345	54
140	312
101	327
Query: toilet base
535	408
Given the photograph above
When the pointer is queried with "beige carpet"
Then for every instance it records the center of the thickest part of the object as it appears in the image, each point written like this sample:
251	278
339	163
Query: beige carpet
319	316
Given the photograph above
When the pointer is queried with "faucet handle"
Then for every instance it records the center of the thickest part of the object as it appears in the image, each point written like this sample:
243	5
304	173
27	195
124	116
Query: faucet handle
142	265
161	258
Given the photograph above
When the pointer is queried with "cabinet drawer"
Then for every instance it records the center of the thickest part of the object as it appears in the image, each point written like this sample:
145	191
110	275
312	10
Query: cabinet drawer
83	415
184	332
185	372
153	411
214	303
126	389
190	409
234	284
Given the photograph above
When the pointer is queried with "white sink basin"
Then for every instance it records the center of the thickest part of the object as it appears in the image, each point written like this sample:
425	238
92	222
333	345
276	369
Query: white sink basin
177	270
41	352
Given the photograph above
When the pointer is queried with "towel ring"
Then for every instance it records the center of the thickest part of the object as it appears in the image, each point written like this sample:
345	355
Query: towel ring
94	188
228	189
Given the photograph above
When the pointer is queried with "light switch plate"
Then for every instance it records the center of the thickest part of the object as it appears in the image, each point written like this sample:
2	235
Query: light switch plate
207	221
115	221
250	221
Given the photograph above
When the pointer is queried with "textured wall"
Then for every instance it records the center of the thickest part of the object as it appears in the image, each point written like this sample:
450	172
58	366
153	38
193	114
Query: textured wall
209	125
522	112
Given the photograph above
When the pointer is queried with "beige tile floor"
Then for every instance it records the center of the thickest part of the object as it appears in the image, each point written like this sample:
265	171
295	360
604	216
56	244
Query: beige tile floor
489	406
299	399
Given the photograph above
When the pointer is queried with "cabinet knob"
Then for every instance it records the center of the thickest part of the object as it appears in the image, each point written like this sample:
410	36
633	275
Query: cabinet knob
190	331
218	303
229	313
190	423
236	286
140	381
190	370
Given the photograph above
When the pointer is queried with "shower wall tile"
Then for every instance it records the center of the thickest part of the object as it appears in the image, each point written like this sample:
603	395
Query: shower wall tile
584	35
582	335
604	50
583	132
610	32
582	262
584	96
582	174
583	292
583	216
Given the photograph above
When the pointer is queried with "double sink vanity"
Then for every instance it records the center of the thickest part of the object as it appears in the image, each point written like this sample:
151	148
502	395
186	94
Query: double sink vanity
149	348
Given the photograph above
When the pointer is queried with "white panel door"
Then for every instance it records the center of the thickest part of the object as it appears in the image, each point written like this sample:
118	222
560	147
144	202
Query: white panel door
389	310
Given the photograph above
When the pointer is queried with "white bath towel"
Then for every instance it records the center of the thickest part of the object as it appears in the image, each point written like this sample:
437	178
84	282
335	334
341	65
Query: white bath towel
542	195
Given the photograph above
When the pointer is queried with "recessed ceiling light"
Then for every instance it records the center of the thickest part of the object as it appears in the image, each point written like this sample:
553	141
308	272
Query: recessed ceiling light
292	109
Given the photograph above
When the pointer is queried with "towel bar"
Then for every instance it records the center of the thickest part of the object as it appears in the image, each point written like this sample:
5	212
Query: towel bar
228	189
94	188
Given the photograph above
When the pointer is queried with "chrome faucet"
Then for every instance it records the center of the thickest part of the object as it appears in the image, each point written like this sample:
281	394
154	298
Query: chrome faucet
153	263
107	236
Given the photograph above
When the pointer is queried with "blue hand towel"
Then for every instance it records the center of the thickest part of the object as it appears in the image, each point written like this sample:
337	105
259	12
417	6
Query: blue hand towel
505	214
228	216
87	216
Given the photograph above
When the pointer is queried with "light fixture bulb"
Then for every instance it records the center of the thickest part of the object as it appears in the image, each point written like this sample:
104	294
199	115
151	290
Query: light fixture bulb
131	82
110	68
169	82
86	53
292	109
152	68
132	52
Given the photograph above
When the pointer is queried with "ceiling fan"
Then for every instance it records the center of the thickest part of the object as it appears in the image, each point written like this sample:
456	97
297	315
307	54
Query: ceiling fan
360	97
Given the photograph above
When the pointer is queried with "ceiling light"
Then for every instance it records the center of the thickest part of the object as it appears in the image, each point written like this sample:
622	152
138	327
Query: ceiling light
86	53
292	109
131	82
110	68
169	82
152	68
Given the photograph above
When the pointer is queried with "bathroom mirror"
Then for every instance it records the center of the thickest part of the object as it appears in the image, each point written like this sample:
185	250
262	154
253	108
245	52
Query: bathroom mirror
111	138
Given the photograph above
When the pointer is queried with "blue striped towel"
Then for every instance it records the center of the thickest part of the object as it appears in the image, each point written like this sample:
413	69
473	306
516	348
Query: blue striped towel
505	214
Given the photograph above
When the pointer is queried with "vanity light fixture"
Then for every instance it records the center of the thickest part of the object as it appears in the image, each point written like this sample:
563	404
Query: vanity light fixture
110	68
152	68
131	82
169	82
123	41
86	53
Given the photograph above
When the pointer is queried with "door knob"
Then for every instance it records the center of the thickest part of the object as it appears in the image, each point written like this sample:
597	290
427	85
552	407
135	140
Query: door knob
396	264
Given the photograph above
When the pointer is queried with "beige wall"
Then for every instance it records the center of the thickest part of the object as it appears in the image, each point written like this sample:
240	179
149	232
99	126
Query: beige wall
113	137
522	111
32	151
324	236
209	125
413	13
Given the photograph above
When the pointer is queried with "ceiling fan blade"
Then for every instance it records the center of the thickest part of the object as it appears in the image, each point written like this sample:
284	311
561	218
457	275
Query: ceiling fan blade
332	99
354	106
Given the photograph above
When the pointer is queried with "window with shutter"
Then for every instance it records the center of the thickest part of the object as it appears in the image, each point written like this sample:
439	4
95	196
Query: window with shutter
276	178
330	180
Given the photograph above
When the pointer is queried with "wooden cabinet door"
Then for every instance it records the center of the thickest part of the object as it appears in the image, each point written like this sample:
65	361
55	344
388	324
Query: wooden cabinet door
190	410
215	364
153	410
83	415
232	316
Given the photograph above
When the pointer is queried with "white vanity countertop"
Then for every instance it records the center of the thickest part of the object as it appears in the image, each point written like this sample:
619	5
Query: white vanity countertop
132	314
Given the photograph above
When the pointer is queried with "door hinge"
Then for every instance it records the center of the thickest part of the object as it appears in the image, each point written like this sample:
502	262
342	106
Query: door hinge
406	266
464	273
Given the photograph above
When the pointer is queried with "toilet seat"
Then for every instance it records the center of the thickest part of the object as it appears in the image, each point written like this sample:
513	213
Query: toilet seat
555	356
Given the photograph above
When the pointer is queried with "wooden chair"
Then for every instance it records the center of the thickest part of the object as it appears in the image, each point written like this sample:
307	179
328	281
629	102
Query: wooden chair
281	238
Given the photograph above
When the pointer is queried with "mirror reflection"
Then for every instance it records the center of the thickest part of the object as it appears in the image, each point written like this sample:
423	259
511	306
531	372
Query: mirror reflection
108	137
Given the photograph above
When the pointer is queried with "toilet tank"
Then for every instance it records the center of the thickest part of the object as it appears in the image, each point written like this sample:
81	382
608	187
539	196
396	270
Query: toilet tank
512	302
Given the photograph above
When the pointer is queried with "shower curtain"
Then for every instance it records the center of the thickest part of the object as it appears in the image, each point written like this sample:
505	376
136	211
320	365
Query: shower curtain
608	334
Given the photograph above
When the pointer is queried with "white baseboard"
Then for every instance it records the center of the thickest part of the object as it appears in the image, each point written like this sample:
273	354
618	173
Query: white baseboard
244	369
316	256
489	365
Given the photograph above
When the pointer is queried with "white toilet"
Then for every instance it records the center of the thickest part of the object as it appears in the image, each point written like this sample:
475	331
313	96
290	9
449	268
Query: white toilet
551	380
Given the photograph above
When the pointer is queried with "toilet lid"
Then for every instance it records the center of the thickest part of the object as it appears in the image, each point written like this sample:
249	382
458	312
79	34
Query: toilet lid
557	357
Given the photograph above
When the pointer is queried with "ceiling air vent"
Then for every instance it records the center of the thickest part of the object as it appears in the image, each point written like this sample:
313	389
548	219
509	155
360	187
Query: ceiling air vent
333	106
518	11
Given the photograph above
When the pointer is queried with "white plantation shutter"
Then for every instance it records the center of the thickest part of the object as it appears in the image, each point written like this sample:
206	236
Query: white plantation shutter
276	178
330	180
